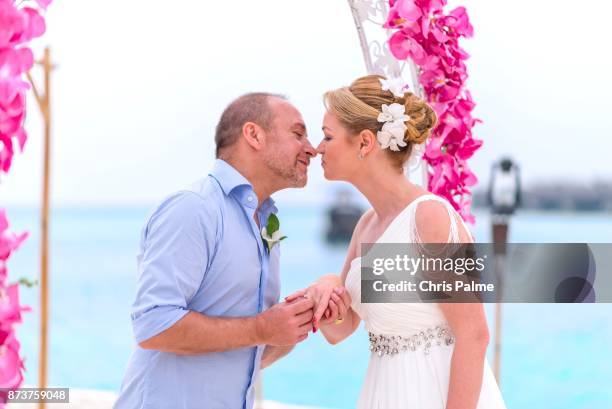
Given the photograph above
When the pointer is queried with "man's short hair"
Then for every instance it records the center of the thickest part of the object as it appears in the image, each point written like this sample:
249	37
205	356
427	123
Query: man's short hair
252	107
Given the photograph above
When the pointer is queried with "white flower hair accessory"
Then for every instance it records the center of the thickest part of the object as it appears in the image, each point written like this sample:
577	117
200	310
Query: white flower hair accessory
392	136
393	112
395	85
392	133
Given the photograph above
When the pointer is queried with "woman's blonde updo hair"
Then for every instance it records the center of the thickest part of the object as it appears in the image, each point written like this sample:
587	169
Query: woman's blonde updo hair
358	105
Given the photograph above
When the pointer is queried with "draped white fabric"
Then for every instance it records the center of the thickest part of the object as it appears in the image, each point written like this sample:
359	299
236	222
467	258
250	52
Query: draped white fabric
410	379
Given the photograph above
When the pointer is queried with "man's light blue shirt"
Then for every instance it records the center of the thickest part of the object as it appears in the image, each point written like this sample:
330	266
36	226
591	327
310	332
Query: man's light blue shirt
202	251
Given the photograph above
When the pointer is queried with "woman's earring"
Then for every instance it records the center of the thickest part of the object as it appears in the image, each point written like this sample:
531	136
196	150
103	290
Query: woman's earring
360	156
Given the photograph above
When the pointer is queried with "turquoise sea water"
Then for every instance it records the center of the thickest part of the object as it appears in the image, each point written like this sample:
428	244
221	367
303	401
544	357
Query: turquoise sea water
554	356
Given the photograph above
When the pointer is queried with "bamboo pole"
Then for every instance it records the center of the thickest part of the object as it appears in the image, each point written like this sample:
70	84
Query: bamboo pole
44	103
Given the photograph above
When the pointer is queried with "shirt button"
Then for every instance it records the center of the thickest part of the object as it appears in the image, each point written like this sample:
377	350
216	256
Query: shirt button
250	198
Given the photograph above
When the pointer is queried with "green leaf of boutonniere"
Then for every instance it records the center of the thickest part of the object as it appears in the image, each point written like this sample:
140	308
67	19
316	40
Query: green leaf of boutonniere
273	223
271	233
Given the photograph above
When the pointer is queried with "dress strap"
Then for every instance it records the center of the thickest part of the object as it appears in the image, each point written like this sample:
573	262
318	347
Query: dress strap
453	234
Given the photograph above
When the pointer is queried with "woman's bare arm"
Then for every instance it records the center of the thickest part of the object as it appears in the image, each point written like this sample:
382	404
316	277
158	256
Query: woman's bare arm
466	320
333	332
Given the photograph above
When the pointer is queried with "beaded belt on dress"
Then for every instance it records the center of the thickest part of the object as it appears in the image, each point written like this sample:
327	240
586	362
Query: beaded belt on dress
393	344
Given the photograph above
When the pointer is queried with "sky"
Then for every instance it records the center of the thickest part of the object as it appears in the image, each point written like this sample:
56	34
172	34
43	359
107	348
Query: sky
139	87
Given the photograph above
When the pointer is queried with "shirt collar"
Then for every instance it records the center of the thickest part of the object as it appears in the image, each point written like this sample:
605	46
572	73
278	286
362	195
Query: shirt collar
268	207
229	179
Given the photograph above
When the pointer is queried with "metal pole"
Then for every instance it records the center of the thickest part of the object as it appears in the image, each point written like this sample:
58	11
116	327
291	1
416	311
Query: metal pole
362	38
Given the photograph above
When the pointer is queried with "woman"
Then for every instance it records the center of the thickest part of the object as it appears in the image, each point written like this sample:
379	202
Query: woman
369	130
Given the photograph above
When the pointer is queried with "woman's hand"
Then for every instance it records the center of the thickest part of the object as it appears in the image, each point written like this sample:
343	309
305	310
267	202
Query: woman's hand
330	298
338	307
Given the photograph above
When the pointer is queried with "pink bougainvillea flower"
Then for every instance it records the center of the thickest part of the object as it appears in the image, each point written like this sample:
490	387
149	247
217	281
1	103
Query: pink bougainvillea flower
464	106
6	153
433	149
9	241
434	25
4	224
5	335
11	367
449	27
35	24
456	139
431	62
11	23
12	115
12	105
438	86
19	25
22	136
439	183
2	273
14	62
459	22
402	11
428	36
468	147
432	5
403	46
468	178
10	310
451	59
7	143
12	97
11	88
444	172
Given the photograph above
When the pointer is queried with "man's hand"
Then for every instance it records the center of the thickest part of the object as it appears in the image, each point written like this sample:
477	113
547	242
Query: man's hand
321	294
286	323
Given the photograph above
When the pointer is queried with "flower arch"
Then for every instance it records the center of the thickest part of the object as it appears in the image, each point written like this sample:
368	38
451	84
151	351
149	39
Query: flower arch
422	36
20	22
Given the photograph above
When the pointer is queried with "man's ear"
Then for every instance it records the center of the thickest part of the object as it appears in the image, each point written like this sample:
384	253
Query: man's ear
254	135
366	141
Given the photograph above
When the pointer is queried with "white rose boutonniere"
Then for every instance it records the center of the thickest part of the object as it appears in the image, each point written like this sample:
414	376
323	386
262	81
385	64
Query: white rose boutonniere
271	234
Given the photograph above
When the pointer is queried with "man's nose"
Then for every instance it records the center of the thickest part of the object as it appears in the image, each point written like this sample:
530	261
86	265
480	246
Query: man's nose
309	149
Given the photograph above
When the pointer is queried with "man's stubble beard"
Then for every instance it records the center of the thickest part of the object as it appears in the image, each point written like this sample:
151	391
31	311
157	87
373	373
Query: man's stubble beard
279	167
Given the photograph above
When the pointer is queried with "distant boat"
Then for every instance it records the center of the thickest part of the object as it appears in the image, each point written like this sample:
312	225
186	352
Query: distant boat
342	217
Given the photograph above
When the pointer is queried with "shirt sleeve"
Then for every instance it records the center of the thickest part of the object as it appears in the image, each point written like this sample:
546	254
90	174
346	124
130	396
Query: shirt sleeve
176	246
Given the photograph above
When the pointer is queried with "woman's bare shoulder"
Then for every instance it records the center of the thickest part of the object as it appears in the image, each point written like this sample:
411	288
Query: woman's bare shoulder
432	221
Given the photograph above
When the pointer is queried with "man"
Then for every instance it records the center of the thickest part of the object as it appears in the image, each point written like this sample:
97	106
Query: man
206	315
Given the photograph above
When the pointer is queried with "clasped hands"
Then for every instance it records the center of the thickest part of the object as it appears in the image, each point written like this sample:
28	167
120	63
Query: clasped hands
325	302
331	301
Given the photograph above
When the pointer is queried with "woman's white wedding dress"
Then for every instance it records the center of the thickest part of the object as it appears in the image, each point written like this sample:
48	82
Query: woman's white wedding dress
411	372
